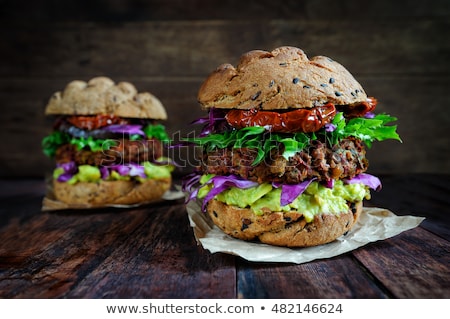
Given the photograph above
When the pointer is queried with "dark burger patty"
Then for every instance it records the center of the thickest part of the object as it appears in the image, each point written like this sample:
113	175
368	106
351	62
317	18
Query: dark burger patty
345	160
125	151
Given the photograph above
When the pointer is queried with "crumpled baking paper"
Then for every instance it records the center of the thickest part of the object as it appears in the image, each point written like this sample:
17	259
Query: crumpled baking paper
50	203
374	224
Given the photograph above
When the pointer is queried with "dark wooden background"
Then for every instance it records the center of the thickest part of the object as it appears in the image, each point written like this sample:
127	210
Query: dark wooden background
398	50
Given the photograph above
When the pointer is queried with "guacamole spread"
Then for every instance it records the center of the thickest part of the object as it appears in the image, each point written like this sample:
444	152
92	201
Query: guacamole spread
316	199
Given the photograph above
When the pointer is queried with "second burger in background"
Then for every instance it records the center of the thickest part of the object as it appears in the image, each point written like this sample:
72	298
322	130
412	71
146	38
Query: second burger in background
108	145
284	148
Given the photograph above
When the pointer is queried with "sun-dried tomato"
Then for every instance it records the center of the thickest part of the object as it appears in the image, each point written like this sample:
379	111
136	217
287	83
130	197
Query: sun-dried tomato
359	110
93	122
300	120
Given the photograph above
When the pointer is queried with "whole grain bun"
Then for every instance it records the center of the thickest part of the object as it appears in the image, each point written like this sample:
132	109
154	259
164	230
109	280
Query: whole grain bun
106	193
281	79
102	96
282	228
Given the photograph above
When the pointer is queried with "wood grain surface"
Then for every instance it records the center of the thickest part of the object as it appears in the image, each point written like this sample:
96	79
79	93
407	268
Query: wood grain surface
151	252
104	254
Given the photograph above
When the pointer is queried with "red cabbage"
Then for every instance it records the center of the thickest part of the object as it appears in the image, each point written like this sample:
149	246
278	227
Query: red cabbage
123	170
289	192
222	183
137	170
69	168
188	184
329	183
369	115
130	170
64	177
192	195
126	128
189	181
371	181
215	122
104	172
330	127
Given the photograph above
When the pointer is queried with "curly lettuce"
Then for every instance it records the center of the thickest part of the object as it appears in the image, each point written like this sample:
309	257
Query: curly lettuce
54	140
366	129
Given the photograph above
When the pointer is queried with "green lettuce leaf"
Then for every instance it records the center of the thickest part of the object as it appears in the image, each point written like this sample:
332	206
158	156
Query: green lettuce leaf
366	129
92	143
53	141
255	137
157	131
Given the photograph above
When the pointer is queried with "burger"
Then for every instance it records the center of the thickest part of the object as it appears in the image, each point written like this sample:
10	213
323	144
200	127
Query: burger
283	148
107	144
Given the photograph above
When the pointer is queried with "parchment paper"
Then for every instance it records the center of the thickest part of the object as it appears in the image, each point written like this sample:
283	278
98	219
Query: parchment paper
50	203
374	224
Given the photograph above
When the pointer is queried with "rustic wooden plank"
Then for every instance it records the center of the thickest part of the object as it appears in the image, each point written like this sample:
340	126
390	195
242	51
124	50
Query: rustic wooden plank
160	260
394	262
43	256
338	277
145	252
194	48
81	254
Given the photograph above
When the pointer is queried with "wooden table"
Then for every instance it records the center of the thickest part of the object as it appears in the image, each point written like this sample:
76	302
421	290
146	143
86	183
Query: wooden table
151	252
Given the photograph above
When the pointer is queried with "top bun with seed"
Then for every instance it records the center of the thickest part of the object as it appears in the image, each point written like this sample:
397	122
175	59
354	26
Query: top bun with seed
101	95
282	79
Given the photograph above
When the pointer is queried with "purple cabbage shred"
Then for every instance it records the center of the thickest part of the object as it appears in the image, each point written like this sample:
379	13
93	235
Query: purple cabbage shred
371	181
289	192
127	128
70	169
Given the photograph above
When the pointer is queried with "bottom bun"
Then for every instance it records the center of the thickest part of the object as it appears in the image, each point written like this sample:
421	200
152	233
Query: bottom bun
282	228
111	192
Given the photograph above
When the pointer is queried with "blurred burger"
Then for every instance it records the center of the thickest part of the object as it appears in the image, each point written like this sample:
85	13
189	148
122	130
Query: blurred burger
107	144
284	148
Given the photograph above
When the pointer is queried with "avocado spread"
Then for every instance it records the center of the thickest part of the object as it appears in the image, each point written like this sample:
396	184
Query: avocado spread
89	173
314	200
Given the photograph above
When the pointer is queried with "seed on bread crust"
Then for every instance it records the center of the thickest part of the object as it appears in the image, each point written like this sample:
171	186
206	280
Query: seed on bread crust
232	87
